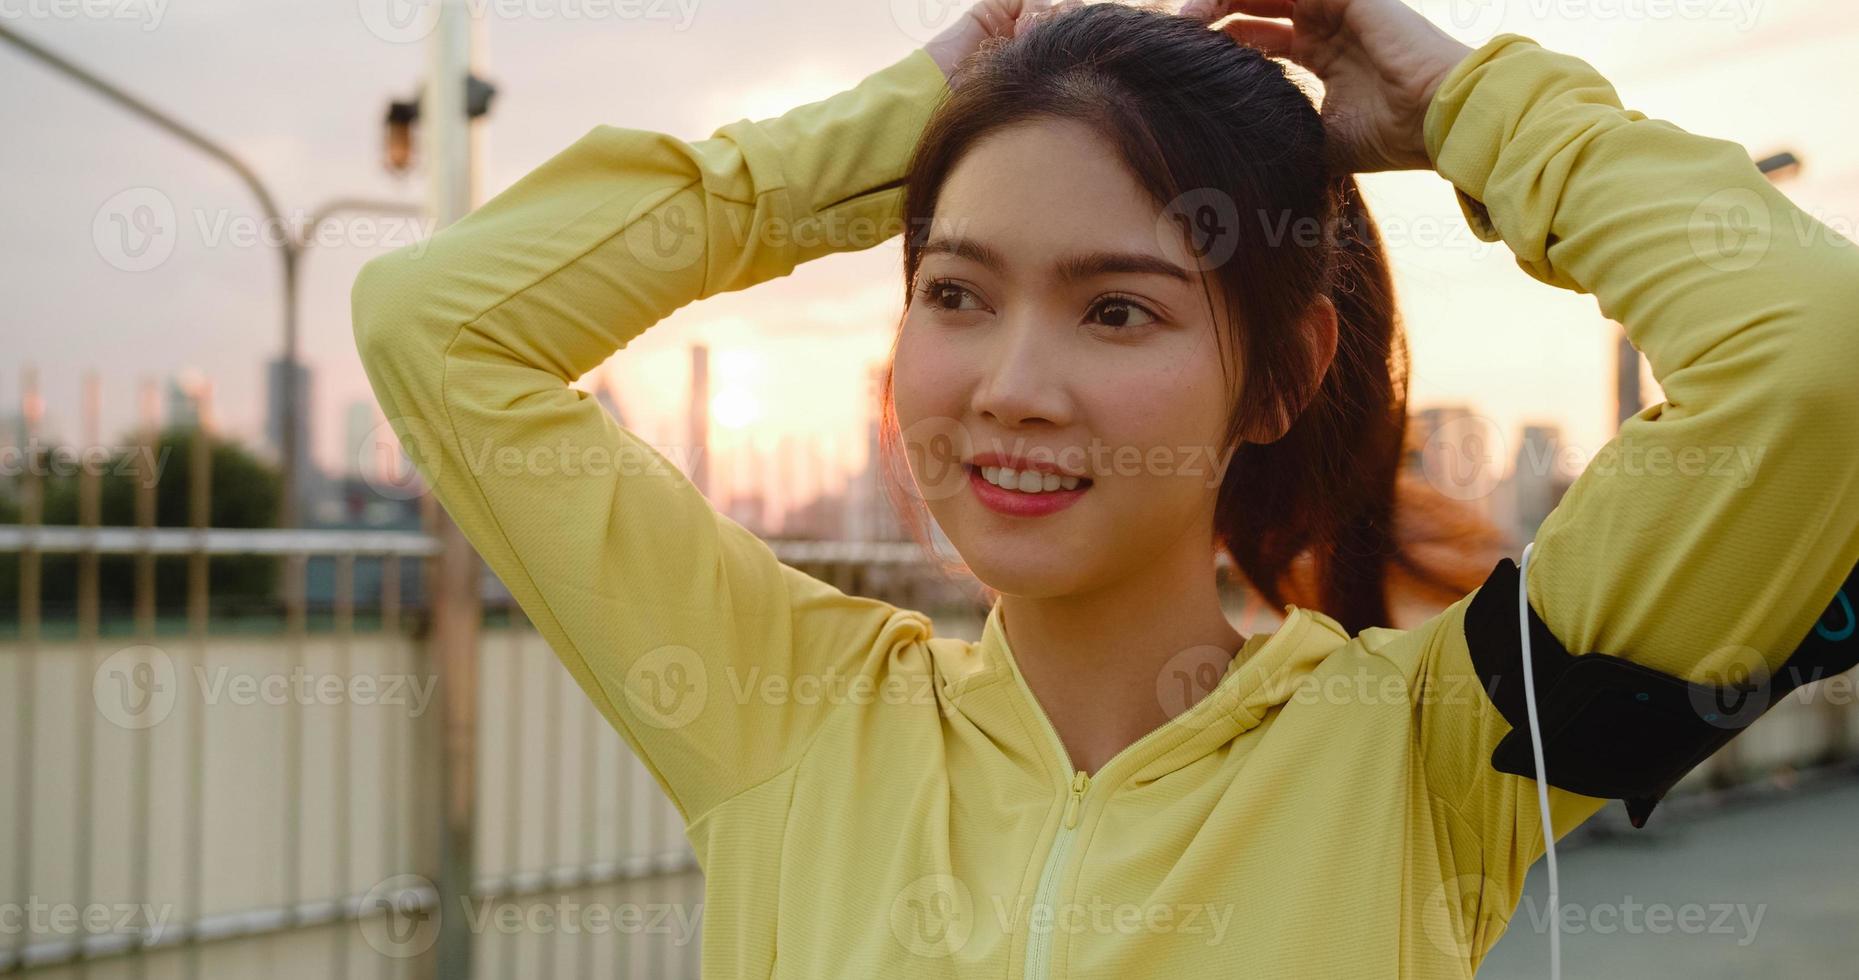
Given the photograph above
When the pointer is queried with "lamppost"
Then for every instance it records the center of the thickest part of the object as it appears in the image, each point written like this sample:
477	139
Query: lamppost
291	246
450	103
287	250
296	244
402	115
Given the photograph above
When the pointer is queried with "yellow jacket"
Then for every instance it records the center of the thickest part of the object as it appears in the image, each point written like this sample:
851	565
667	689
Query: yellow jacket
869	799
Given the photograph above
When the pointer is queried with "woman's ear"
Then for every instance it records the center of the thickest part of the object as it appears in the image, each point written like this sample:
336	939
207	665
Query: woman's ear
1318	329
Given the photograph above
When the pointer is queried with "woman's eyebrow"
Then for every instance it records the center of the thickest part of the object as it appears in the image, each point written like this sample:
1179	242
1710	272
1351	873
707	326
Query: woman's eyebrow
1071	267
1090	264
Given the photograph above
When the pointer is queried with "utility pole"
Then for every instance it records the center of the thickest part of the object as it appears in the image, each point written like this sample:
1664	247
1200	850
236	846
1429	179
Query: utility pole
448	140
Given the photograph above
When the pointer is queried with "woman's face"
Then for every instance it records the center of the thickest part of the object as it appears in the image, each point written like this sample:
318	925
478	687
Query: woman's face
1058	324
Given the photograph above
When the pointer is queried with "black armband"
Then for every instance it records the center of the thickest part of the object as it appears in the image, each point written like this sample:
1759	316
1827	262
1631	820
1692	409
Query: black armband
1615	729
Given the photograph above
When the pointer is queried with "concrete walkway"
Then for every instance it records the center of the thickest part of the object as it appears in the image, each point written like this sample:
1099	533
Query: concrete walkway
1767	888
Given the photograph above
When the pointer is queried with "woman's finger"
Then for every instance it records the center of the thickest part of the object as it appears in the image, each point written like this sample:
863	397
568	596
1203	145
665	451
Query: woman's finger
1202	10
1038	10
1208	11
995	18
1260	8
1028	12
1269	36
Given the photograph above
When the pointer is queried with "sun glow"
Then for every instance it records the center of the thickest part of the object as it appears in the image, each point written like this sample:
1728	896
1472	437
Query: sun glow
735	408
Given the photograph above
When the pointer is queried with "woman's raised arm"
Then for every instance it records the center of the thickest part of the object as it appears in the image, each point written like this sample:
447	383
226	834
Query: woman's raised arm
1678	589
1702	545
664	611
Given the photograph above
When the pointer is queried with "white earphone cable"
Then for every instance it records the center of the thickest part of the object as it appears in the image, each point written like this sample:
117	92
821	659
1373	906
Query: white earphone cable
1542	784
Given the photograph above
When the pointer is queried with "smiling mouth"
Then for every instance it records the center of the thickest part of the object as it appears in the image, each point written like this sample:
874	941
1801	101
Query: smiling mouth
1016	503
1029	482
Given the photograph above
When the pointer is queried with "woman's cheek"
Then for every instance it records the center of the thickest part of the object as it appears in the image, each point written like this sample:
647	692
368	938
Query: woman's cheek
926	393
923	376
1162	458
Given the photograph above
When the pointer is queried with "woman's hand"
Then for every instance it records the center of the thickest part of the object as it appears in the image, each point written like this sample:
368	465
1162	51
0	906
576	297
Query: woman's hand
1379	60
986	19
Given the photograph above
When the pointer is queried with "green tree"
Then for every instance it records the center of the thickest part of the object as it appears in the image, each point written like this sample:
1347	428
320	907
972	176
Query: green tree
244	494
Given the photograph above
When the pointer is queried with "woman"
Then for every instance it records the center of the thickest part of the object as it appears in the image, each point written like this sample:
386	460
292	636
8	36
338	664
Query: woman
1129	234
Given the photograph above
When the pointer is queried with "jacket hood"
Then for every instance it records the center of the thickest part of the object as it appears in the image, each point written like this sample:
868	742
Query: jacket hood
982	681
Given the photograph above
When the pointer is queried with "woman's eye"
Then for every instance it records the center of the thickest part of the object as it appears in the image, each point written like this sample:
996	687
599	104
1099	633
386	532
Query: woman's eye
947	295
1121	314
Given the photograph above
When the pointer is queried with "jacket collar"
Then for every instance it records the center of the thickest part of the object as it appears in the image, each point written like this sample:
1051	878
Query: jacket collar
982	682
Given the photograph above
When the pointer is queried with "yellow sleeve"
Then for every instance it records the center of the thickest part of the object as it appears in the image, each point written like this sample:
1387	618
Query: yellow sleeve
1716	527
714	661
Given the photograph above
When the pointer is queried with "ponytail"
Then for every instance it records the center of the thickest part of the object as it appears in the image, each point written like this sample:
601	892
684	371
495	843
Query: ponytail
1326	516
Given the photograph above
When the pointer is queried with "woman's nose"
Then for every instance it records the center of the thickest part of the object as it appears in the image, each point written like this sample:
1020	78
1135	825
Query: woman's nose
1023	379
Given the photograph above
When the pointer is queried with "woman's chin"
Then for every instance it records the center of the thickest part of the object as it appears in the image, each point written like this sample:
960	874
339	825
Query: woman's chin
1023	571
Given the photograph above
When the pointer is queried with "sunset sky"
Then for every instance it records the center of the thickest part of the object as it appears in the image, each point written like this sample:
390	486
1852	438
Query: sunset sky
299	89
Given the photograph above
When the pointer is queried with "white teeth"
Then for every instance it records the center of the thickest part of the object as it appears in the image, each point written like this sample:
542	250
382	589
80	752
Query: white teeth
1028	481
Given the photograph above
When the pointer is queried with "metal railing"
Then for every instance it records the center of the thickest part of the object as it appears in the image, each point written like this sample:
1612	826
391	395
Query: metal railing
169	795
343	777
306	790
563	808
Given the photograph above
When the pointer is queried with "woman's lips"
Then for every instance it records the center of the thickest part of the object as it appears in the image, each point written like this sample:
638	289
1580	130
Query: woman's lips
1013	503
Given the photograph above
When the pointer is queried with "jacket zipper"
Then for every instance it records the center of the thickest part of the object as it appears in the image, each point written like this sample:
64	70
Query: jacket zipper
1039	947
1039	942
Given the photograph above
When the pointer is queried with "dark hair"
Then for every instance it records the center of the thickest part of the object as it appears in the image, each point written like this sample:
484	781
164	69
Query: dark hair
1309	517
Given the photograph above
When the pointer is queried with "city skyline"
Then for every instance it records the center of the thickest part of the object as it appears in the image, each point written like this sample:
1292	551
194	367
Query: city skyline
791	356
761	487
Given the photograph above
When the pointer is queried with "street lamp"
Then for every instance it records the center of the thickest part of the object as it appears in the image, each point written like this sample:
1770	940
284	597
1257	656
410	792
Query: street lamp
1780	166
288	250
402	115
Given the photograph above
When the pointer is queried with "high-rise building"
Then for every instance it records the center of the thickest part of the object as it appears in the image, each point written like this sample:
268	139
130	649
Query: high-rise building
749	510
1627	398
313	488
274	410
787	476
1460	453
182	397
1538	480
698	415
871	517
608	397
748	491
359	423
